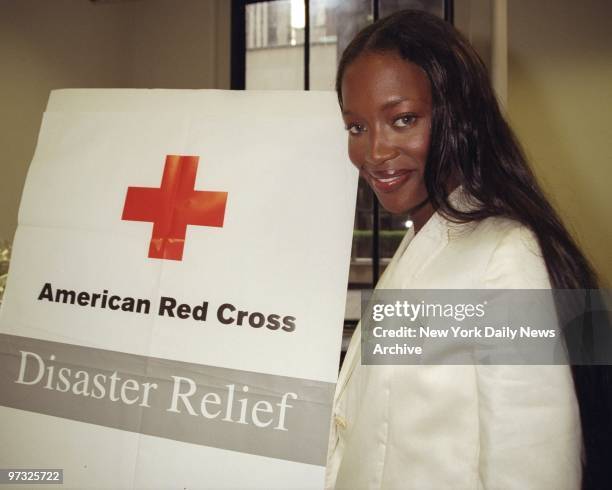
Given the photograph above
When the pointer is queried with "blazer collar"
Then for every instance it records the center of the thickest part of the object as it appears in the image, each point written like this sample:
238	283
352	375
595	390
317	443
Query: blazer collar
412	255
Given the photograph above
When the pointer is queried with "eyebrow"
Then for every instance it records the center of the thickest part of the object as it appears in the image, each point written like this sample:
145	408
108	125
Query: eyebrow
390	103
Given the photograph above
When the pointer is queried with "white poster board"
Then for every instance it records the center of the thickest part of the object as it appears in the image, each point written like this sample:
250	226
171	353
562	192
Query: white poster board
174	307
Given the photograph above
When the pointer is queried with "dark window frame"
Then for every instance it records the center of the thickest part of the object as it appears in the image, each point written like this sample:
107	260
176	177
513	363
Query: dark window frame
238	43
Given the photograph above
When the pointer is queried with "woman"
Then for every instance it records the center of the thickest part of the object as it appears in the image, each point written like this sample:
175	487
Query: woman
427	135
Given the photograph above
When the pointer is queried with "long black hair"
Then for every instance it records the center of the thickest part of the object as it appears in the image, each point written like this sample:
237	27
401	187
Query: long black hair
474	145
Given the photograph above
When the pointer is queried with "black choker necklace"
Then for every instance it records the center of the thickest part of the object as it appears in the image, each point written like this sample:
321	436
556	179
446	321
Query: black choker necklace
418	207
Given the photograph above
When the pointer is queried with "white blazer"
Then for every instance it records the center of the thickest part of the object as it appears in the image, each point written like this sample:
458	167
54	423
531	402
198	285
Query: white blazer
456	427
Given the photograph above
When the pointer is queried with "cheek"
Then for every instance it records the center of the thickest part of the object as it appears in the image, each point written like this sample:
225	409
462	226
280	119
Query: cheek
355	152
419	148
426	141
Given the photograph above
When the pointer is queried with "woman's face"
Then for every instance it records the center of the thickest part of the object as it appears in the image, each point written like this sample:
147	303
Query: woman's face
387	111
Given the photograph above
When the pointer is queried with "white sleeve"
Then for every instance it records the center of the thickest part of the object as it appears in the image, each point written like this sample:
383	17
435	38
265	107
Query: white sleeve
529	424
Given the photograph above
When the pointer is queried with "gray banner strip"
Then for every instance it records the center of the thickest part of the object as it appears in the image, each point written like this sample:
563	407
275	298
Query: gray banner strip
487	326
274	416
30	476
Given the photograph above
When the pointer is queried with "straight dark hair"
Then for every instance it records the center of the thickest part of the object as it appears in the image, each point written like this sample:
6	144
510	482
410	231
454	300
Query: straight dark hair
474	145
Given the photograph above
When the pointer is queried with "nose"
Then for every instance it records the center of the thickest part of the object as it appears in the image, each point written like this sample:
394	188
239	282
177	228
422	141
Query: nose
380	148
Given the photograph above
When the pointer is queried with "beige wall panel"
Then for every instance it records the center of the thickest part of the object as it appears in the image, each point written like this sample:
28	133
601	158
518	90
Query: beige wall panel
559	101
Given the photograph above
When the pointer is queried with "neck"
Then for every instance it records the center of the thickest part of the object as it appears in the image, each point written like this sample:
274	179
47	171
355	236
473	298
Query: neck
421	214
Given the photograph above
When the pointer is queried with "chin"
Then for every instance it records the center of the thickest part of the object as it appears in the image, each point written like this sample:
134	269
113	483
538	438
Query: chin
401	202
394	207
396	204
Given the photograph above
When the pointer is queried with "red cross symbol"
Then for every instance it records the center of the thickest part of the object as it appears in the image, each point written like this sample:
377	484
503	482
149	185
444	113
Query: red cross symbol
174	206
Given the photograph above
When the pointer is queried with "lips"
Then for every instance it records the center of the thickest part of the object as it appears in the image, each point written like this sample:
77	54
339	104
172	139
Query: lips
388	180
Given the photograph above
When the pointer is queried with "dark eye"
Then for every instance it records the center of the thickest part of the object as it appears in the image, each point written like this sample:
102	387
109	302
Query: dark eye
355	128
404	121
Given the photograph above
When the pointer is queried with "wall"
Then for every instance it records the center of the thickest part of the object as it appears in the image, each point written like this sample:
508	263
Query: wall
559	100
46	45
173	43
473	19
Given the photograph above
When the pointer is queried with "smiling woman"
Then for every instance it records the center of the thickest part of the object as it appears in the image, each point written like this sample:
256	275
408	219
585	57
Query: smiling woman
426	133
387	111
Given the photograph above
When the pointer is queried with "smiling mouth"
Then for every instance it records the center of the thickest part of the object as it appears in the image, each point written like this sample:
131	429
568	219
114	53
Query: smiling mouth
388	180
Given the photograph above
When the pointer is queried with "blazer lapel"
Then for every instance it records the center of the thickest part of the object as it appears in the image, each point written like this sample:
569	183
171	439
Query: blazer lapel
413	253
352	357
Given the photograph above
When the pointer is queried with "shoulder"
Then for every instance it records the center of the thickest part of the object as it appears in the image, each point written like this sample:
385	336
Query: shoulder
494	253
513	258
504	253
